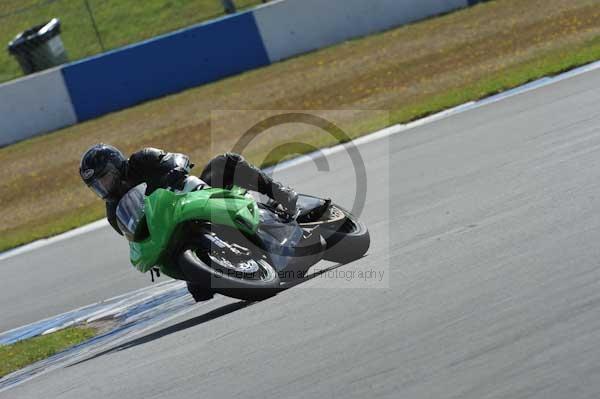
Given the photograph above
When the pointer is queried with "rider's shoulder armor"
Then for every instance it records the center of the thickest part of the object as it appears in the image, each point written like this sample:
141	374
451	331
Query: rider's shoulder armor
152	165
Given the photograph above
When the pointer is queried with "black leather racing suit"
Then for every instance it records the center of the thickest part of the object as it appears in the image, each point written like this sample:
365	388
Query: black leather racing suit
160	169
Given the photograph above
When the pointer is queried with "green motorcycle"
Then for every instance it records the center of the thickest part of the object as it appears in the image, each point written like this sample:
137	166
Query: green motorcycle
228	242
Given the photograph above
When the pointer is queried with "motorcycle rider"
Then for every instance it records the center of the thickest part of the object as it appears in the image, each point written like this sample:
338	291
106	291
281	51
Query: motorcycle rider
107	172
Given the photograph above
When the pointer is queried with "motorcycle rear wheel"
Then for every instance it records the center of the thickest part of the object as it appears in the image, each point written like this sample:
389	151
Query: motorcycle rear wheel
347	237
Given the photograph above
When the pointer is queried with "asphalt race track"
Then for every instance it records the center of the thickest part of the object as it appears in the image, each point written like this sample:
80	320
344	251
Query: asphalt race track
486	227
70	274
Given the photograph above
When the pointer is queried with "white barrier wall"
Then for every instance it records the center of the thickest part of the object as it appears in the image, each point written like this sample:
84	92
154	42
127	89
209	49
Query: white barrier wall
291	27
33	105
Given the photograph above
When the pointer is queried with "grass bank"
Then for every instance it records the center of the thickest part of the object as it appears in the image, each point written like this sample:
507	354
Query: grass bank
18	355
411	71
119	22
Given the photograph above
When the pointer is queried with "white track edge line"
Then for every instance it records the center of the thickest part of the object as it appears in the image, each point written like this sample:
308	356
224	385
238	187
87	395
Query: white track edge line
386	132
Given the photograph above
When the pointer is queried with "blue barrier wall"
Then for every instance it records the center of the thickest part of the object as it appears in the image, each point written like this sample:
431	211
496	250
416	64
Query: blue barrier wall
164	65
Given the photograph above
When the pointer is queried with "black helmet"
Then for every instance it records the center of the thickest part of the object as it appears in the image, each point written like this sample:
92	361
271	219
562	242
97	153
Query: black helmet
103	169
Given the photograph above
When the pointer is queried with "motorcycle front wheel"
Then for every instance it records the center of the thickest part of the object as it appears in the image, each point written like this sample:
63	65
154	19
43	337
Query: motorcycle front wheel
244	278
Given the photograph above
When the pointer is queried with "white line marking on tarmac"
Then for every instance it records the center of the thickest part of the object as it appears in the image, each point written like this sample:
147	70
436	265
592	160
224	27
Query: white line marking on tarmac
53	240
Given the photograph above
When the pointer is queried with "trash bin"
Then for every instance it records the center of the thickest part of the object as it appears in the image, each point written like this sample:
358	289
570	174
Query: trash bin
39	48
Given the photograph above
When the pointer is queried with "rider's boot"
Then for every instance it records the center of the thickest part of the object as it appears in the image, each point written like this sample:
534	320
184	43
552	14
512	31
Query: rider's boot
286	196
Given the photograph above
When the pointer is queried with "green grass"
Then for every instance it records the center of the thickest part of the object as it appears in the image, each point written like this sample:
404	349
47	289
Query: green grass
43	228
552	63
18	355
120	22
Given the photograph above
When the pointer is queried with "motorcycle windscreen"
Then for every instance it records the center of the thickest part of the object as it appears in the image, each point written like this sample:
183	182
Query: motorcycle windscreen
279	239
130	213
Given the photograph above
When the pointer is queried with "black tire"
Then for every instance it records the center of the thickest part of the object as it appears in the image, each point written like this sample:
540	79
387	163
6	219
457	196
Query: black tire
197	266
200	291
346	242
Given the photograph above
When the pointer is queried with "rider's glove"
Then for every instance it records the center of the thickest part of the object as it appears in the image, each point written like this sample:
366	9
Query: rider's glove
175	178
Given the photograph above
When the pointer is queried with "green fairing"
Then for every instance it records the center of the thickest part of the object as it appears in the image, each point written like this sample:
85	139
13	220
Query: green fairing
165	211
